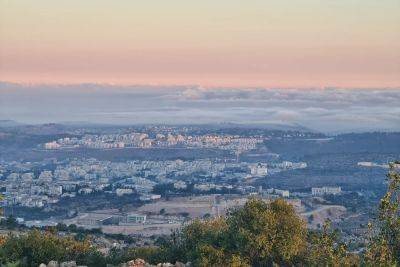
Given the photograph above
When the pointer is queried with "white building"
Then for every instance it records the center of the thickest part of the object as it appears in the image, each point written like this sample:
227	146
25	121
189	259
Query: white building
45	176
94	219
326	190
149	197
365	164
52	145
61	174
258	170
135	218
180	185
27	177
85	191
282	193
13	177
123	191
55	190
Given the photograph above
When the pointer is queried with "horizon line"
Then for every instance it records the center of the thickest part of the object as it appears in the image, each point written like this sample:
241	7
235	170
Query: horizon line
200	86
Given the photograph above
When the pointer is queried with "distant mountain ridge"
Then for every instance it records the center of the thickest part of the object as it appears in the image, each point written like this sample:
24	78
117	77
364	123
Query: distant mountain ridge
10	123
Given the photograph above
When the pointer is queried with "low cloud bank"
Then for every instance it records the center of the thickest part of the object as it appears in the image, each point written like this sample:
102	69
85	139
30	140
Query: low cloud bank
326	110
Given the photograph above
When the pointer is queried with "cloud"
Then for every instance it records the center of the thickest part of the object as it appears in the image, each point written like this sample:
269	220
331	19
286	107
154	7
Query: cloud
328	110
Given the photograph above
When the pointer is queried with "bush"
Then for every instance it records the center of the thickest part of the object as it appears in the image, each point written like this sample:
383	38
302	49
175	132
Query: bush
37	247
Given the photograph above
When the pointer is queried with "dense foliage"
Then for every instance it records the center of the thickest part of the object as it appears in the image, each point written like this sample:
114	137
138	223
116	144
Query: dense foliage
258	234
37	247
384	248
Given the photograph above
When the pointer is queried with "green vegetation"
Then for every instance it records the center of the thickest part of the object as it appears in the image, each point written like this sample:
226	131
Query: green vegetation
258	234
37	247
384	248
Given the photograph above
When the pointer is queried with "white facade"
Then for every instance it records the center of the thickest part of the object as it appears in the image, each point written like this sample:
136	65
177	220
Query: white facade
282	193
135	218
52	145
326	190
258	170
123	191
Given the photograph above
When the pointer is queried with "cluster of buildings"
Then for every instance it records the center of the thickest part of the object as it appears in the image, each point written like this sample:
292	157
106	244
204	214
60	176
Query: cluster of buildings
143	140
25	187
285	165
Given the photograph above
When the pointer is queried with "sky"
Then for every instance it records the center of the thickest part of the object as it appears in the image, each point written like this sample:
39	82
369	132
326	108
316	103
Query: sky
252	43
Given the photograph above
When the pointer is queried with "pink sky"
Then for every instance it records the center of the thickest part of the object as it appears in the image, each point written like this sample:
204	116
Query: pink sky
226	43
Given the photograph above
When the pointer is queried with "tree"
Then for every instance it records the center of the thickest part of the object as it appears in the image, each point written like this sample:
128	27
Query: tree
150	254
1	209
325	249
162	211
37	247
11	222
62	227
197	242
267	233
384	247
259	234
